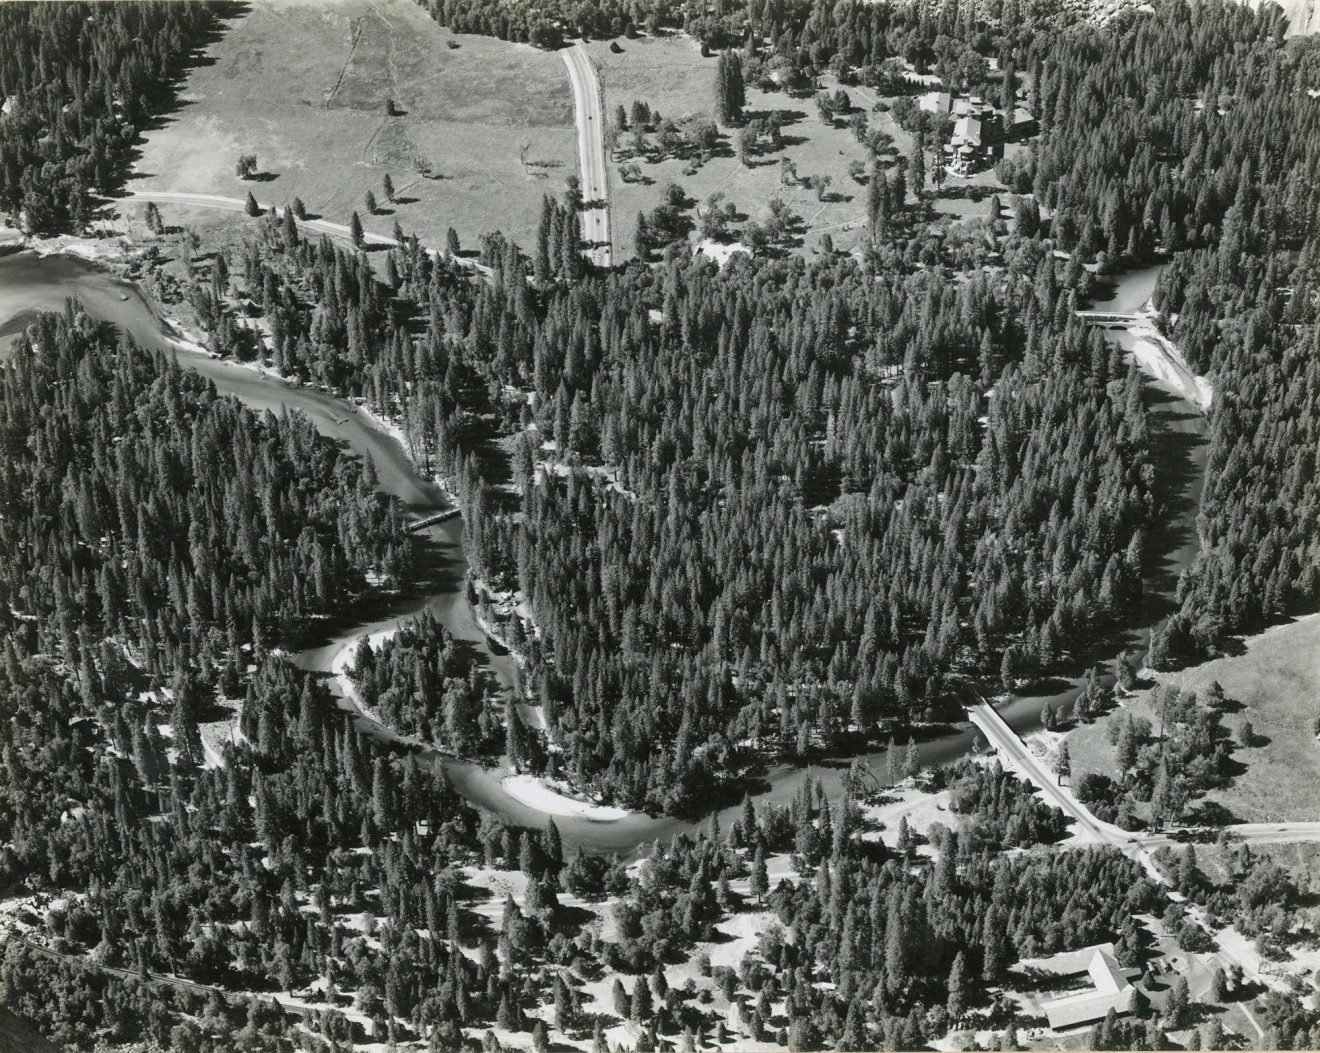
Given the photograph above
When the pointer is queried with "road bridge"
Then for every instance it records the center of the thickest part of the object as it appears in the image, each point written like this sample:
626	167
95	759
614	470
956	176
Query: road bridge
439	517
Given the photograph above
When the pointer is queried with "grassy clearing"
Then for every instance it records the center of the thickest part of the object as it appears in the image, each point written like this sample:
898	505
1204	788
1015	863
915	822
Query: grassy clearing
670	75
1276	681
304	88
1275	684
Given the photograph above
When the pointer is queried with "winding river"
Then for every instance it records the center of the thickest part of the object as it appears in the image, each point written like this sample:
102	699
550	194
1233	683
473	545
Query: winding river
30	284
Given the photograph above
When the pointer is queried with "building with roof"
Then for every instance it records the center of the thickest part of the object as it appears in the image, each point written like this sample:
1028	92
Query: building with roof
978	131
1106	985
936	102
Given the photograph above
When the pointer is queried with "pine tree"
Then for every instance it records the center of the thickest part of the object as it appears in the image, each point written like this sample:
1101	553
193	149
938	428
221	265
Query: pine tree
747	821
853	1035
736	86
565	1011
1126	672
1188	873
640	1008
958	988
759	881
1063	764
992	946
355	230
554	848
730	92
642	237
506	1016
514	737
1175	1009
1125	749
250	206
722	111
917	166
183	721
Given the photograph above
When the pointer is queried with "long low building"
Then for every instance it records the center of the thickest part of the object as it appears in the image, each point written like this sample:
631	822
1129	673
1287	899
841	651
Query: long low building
1110	985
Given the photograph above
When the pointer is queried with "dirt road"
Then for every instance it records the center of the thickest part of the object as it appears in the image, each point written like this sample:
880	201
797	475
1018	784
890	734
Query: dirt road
233	204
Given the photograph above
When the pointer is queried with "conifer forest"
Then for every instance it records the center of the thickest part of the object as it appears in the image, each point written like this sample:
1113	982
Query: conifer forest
704	625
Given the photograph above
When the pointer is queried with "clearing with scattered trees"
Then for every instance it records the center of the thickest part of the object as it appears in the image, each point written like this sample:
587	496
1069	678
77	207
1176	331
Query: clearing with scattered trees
481	130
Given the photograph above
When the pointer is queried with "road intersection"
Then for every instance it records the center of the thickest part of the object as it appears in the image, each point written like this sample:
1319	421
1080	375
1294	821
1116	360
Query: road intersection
1019	757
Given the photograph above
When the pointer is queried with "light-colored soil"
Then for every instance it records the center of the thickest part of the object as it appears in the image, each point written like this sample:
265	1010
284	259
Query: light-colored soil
304	87
921	810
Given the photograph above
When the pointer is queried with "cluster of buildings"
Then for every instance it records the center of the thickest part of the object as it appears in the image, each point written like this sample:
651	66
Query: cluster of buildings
979	130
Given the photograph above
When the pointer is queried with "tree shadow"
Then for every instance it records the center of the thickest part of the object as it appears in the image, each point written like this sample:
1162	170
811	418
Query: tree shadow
1173	455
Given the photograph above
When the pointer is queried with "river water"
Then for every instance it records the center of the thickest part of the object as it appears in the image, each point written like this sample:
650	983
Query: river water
29	284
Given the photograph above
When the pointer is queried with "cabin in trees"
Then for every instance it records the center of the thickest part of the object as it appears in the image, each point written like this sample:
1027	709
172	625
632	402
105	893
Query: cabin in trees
1099	985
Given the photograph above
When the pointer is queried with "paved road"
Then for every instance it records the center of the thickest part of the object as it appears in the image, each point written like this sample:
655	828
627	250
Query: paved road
591	153
1019	757
1135	843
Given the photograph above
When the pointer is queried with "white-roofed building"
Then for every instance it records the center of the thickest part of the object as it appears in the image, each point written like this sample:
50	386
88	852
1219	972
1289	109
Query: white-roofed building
1109	985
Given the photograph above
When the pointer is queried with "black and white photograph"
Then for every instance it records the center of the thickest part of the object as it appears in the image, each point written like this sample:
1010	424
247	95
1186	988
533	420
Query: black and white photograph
657	526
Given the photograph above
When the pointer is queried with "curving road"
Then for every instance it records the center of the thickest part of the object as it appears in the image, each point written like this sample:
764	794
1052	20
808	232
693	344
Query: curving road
591	153
233	204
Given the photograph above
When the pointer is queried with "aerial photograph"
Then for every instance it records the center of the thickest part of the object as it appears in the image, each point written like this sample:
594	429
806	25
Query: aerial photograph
659	525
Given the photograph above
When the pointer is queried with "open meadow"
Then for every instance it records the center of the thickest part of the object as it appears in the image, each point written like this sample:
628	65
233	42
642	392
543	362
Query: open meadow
481	128
1274	683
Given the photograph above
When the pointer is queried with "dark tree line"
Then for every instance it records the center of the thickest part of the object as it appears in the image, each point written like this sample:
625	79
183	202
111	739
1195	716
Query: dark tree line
120	522
78	81
417	681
